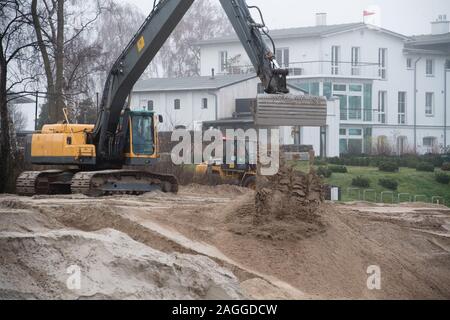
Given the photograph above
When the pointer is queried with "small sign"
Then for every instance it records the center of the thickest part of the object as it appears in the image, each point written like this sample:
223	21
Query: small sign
141	44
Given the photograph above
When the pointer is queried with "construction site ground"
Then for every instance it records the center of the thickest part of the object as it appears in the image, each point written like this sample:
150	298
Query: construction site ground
203	244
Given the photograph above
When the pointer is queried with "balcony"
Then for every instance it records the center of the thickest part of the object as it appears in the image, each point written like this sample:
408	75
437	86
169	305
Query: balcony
308	69
342	69
367	116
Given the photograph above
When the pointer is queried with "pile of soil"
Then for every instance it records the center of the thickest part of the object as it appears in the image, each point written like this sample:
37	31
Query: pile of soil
288	194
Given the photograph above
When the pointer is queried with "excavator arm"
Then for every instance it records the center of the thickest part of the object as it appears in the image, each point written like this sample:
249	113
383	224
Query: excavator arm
148	41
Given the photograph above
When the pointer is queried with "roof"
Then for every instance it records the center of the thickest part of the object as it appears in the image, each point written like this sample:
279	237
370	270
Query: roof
307	32
429	44
430	39
191	83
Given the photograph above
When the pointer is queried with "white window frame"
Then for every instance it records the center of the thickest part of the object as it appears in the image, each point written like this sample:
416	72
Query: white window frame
429	63
382	107
177	106
433	142
427	106
409	64
382	63
152	107
402	104
356	61
335	60
223	61
282	56
348	94
204	103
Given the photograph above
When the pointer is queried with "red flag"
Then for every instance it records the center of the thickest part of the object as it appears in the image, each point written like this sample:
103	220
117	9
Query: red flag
368	13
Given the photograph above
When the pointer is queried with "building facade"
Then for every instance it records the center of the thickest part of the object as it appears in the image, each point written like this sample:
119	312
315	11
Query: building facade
392	89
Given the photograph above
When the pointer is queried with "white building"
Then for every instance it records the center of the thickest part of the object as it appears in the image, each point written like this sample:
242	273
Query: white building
393	89
223	101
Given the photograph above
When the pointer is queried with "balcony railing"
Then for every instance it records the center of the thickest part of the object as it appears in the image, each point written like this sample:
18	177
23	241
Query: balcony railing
321	68
362	115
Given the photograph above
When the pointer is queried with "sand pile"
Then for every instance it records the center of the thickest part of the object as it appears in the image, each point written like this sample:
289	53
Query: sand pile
289	193
38	248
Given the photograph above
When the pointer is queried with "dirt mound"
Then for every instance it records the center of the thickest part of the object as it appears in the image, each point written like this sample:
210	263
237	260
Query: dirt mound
243	219
289	193
111	265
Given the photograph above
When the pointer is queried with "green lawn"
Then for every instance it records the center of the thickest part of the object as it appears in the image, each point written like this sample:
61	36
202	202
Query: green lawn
410	181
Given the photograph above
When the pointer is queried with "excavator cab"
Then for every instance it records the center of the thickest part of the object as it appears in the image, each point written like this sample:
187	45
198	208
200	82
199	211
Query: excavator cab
142	138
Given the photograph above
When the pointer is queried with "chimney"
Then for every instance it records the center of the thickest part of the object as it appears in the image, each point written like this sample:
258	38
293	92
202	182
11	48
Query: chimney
321	19
213	74
441	25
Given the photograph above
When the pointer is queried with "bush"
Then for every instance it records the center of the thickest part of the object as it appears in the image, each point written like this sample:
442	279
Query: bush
338	169
446	166
388	184
324	172
388	166
361	182
425	167
442	178
320	162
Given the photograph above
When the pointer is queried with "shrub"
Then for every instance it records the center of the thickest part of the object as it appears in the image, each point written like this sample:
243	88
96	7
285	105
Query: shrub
435	159
338	169
388	184
442	178
388	166
446	166
361	182
425	167
320	162
324	172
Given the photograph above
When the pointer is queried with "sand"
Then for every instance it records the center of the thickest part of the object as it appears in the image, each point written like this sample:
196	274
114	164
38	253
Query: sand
203	244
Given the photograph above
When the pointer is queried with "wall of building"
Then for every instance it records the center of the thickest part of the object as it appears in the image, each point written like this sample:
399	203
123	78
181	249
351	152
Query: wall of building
313	56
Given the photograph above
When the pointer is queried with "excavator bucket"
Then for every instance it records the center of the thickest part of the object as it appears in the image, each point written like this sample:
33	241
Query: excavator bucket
290	110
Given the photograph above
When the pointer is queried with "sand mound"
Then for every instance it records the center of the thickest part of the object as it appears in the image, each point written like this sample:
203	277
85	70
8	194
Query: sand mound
289	193
112	265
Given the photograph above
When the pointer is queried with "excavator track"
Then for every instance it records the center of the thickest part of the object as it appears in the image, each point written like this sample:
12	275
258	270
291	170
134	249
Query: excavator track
30	183
110	182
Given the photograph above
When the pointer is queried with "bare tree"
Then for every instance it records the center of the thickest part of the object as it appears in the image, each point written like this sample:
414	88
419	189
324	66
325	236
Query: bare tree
15	47
60	26
180	56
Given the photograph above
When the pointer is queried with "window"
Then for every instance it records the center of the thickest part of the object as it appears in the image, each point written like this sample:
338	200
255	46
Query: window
351	141
409	63
356	60
150	105
430	67
355	107
429	142
340	87
335	58
447	64
223	56
402	108
429	104
355	88
382	106
382	63
177	104
282	57
205	103
402	145
142	134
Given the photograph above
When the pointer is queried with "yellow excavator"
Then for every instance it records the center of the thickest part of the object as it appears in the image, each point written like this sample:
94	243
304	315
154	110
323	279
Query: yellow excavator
91	158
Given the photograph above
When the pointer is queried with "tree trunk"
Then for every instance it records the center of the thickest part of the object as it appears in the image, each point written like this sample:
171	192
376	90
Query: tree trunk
6	172
52	93
59	85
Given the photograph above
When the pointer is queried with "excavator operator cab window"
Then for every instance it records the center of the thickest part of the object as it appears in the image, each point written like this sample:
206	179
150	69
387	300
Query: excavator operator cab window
142	134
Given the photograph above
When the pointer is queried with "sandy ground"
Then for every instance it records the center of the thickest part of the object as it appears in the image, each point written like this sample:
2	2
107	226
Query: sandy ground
203	244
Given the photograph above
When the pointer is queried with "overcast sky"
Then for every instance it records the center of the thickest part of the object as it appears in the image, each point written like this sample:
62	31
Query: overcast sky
403	16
